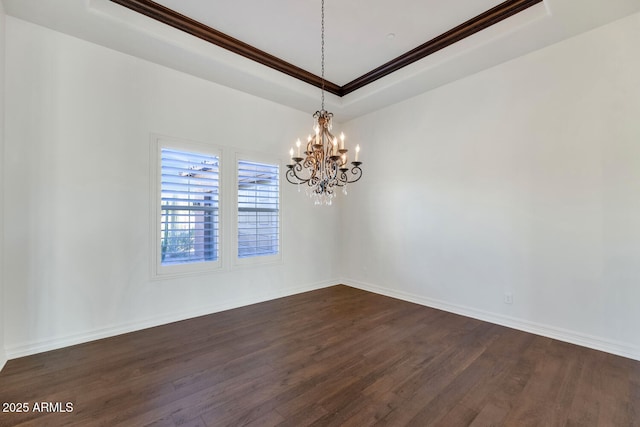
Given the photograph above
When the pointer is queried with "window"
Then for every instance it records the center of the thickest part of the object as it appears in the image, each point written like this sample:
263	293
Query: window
193	201
186	226
189	220
258	209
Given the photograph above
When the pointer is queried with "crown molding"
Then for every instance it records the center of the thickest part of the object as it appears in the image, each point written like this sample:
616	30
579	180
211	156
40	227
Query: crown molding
462	31
197	29
176	20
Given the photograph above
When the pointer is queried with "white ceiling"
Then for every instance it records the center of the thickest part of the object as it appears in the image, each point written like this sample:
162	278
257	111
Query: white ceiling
356	40
355	31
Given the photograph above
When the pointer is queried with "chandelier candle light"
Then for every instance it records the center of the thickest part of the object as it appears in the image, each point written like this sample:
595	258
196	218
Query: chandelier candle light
325	165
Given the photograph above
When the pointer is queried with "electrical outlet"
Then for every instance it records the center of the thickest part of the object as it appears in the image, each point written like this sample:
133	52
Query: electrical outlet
508	298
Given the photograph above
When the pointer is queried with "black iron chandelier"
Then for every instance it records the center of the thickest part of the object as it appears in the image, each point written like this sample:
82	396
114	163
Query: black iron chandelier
325	165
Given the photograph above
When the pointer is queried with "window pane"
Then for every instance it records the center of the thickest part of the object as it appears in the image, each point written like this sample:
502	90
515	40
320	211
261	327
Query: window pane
189	207
258	209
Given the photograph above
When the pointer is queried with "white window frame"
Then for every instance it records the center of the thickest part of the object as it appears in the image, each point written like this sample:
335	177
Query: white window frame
261	259
159	271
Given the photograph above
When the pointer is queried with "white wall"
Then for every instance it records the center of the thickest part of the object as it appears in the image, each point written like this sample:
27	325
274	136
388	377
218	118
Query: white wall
524	178
77	200
3	357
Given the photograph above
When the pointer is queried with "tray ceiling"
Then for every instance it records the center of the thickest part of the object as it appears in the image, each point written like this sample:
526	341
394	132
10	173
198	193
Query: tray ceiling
357	33
369	44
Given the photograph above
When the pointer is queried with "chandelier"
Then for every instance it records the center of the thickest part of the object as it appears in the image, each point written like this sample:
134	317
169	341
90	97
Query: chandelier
325	165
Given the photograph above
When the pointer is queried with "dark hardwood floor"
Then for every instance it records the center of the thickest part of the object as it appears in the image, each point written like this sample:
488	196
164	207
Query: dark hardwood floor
337	356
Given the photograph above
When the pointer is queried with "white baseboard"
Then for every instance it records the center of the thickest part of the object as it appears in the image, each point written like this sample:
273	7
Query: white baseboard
39	346
596	343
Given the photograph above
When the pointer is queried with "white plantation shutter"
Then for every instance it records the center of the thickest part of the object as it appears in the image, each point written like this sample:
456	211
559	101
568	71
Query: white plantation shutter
258	209
189	226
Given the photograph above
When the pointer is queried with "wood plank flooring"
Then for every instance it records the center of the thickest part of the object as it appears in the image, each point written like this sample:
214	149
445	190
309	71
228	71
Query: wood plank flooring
333	357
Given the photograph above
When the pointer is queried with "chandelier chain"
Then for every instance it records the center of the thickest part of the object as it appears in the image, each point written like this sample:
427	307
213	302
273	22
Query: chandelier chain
322	48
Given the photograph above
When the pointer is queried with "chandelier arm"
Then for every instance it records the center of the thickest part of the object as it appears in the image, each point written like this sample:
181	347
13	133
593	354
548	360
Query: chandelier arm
309	162
313	180
356	172
291	173
294	170
343	179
